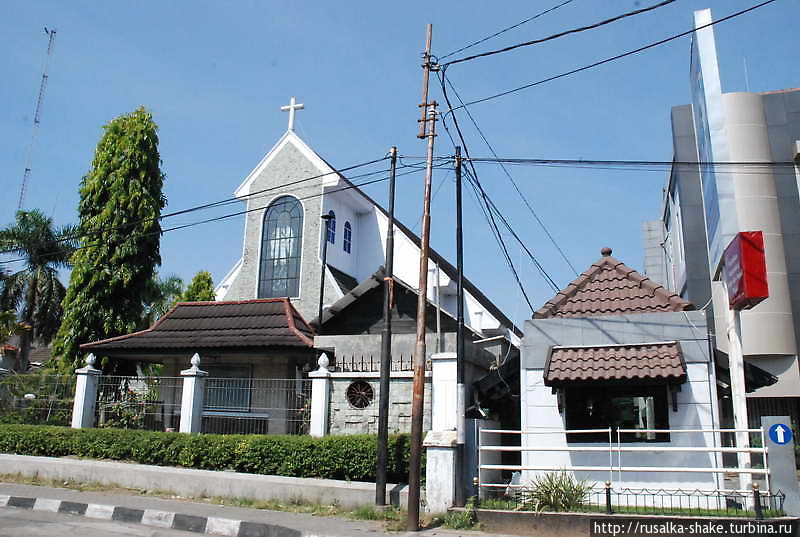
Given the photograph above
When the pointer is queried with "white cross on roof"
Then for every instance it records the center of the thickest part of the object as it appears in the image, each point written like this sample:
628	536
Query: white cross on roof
291	107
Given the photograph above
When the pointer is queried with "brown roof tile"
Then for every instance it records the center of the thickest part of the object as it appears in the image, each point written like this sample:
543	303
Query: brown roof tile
610	287
648	361
271	322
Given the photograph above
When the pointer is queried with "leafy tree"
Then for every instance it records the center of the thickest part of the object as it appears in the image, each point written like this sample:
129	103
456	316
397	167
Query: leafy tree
119	210
35	290
201	288
161	295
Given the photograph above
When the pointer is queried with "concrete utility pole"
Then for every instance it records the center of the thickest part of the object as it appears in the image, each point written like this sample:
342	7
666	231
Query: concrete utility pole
427	129
386	346
459	498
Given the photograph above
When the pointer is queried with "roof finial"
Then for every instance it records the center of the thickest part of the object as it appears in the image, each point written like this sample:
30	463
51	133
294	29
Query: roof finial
606	252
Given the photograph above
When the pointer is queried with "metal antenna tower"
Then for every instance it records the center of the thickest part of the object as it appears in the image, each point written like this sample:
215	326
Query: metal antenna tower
36	119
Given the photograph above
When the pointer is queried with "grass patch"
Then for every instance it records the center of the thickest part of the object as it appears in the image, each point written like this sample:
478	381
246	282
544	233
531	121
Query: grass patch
394	519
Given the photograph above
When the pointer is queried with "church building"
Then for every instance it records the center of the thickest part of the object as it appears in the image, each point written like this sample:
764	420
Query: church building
274	289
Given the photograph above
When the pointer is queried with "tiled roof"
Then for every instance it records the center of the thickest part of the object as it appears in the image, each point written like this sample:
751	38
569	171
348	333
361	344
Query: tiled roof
610	287
644	362
271	322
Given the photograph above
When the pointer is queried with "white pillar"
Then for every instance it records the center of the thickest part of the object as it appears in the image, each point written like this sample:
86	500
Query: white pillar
738	394
444	392
194	384
85	395
320	397
440	474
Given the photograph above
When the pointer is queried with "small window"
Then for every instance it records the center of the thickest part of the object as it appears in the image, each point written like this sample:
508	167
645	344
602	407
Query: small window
629	407
228	388
331	228
348	237
360	394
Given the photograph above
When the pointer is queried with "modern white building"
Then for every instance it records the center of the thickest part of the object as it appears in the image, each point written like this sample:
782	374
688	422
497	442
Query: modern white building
735	169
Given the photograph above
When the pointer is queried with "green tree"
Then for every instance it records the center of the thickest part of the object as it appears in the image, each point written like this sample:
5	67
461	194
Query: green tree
119	210
35	290
162	294
201	288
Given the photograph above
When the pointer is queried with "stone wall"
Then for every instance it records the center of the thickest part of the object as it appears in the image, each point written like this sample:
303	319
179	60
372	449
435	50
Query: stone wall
346	419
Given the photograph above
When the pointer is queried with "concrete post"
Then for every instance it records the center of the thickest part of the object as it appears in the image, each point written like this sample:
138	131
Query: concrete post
444	392
320	397
440	470
83	405
780	461
194	385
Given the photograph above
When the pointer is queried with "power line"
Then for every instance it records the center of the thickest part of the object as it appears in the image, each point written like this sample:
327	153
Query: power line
227	201
561	34
513	160
504	30
611	59
475	182
489	217
442	79
219	218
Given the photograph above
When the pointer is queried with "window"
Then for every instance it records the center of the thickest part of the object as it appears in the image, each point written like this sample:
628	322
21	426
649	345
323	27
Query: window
282	237
628	407
228	388
331	227
348	237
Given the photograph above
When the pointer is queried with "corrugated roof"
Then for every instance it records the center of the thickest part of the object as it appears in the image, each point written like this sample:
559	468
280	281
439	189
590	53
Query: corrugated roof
642	362
610	287
270	322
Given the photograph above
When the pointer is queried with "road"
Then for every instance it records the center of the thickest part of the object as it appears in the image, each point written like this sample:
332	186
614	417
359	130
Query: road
27	523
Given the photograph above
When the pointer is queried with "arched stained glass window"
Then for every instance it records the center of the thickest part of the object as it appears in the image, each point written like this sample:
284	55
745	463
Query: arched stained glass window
281	240
348	237
331	228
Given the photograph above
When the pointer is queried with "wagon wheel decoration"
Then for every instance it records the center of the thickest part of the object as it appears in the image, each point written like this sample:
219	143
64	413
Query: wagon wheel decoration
360	394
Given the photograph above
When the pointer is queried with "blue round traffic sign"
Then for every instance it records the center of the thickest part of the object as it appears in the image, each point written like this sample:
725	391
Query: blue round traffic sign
780	434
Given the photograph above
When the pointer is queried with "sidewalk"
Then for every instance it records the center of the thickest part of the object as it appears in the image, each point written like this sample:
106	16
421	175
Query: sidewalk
200	517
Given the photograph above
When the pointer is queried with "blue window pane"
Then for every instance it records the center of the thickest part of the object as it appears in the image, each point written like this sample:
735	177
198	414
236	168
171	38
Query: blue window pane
331	228
282	235
348	237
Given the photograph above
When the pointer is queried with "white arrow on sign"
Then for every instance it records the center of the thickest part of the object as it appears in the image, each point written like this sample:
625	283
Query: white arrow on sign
780	431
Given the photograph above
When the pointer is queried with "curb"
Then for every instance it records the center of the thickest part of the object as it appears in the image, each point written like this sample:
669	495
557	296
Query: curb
155	518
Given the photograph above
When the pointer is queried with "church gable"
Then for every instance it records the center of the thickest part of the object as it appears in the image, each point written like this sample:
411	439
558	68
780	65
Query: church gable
290	171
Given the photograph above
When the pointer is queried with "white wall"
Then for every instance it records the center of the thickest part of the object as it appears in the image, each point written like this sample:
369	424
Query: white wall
695	410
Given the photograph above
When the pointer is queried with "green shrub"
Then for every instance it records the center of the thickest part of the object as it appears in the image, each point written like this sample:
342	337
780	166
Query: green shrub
350	457
555	491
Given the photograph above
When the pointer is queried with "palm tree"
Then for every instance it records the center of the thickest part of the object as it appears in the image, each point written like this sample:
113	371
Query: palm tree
162	294
35	291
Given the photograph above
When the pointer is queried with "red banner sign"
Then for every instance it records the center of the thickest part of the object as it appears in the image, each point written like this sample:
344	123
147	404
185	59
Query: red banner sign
745	270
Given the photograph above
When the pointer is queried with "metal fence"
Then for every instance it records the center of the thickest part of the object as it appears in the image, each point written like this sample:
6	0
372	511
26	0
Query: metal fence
371	364
148	403
257	406
742	501
677	502
37	399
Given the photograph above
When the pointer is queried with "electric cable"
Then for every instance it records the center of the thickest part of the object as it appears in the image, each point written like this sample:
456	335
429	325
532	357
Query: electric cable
612	58
560	34
504	30
442	79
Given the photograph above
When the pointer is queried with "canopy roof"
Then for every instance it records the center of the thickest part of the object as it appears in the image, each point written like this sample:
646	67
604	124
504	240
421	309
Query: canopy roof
240	325
647	362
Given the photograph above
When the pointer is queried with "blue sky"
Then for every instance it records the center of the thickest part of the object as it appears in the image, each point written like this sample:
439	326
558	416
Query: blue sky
214	75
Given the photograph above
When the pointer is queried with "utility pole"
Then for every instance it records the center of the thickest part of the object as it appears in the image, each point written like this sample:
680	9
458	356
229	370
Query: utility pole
460	500
427	130
386	346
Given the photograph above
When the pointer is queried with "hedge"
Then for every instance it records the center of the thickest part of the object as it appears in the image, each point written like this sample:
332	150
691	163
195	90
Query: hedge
350	457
